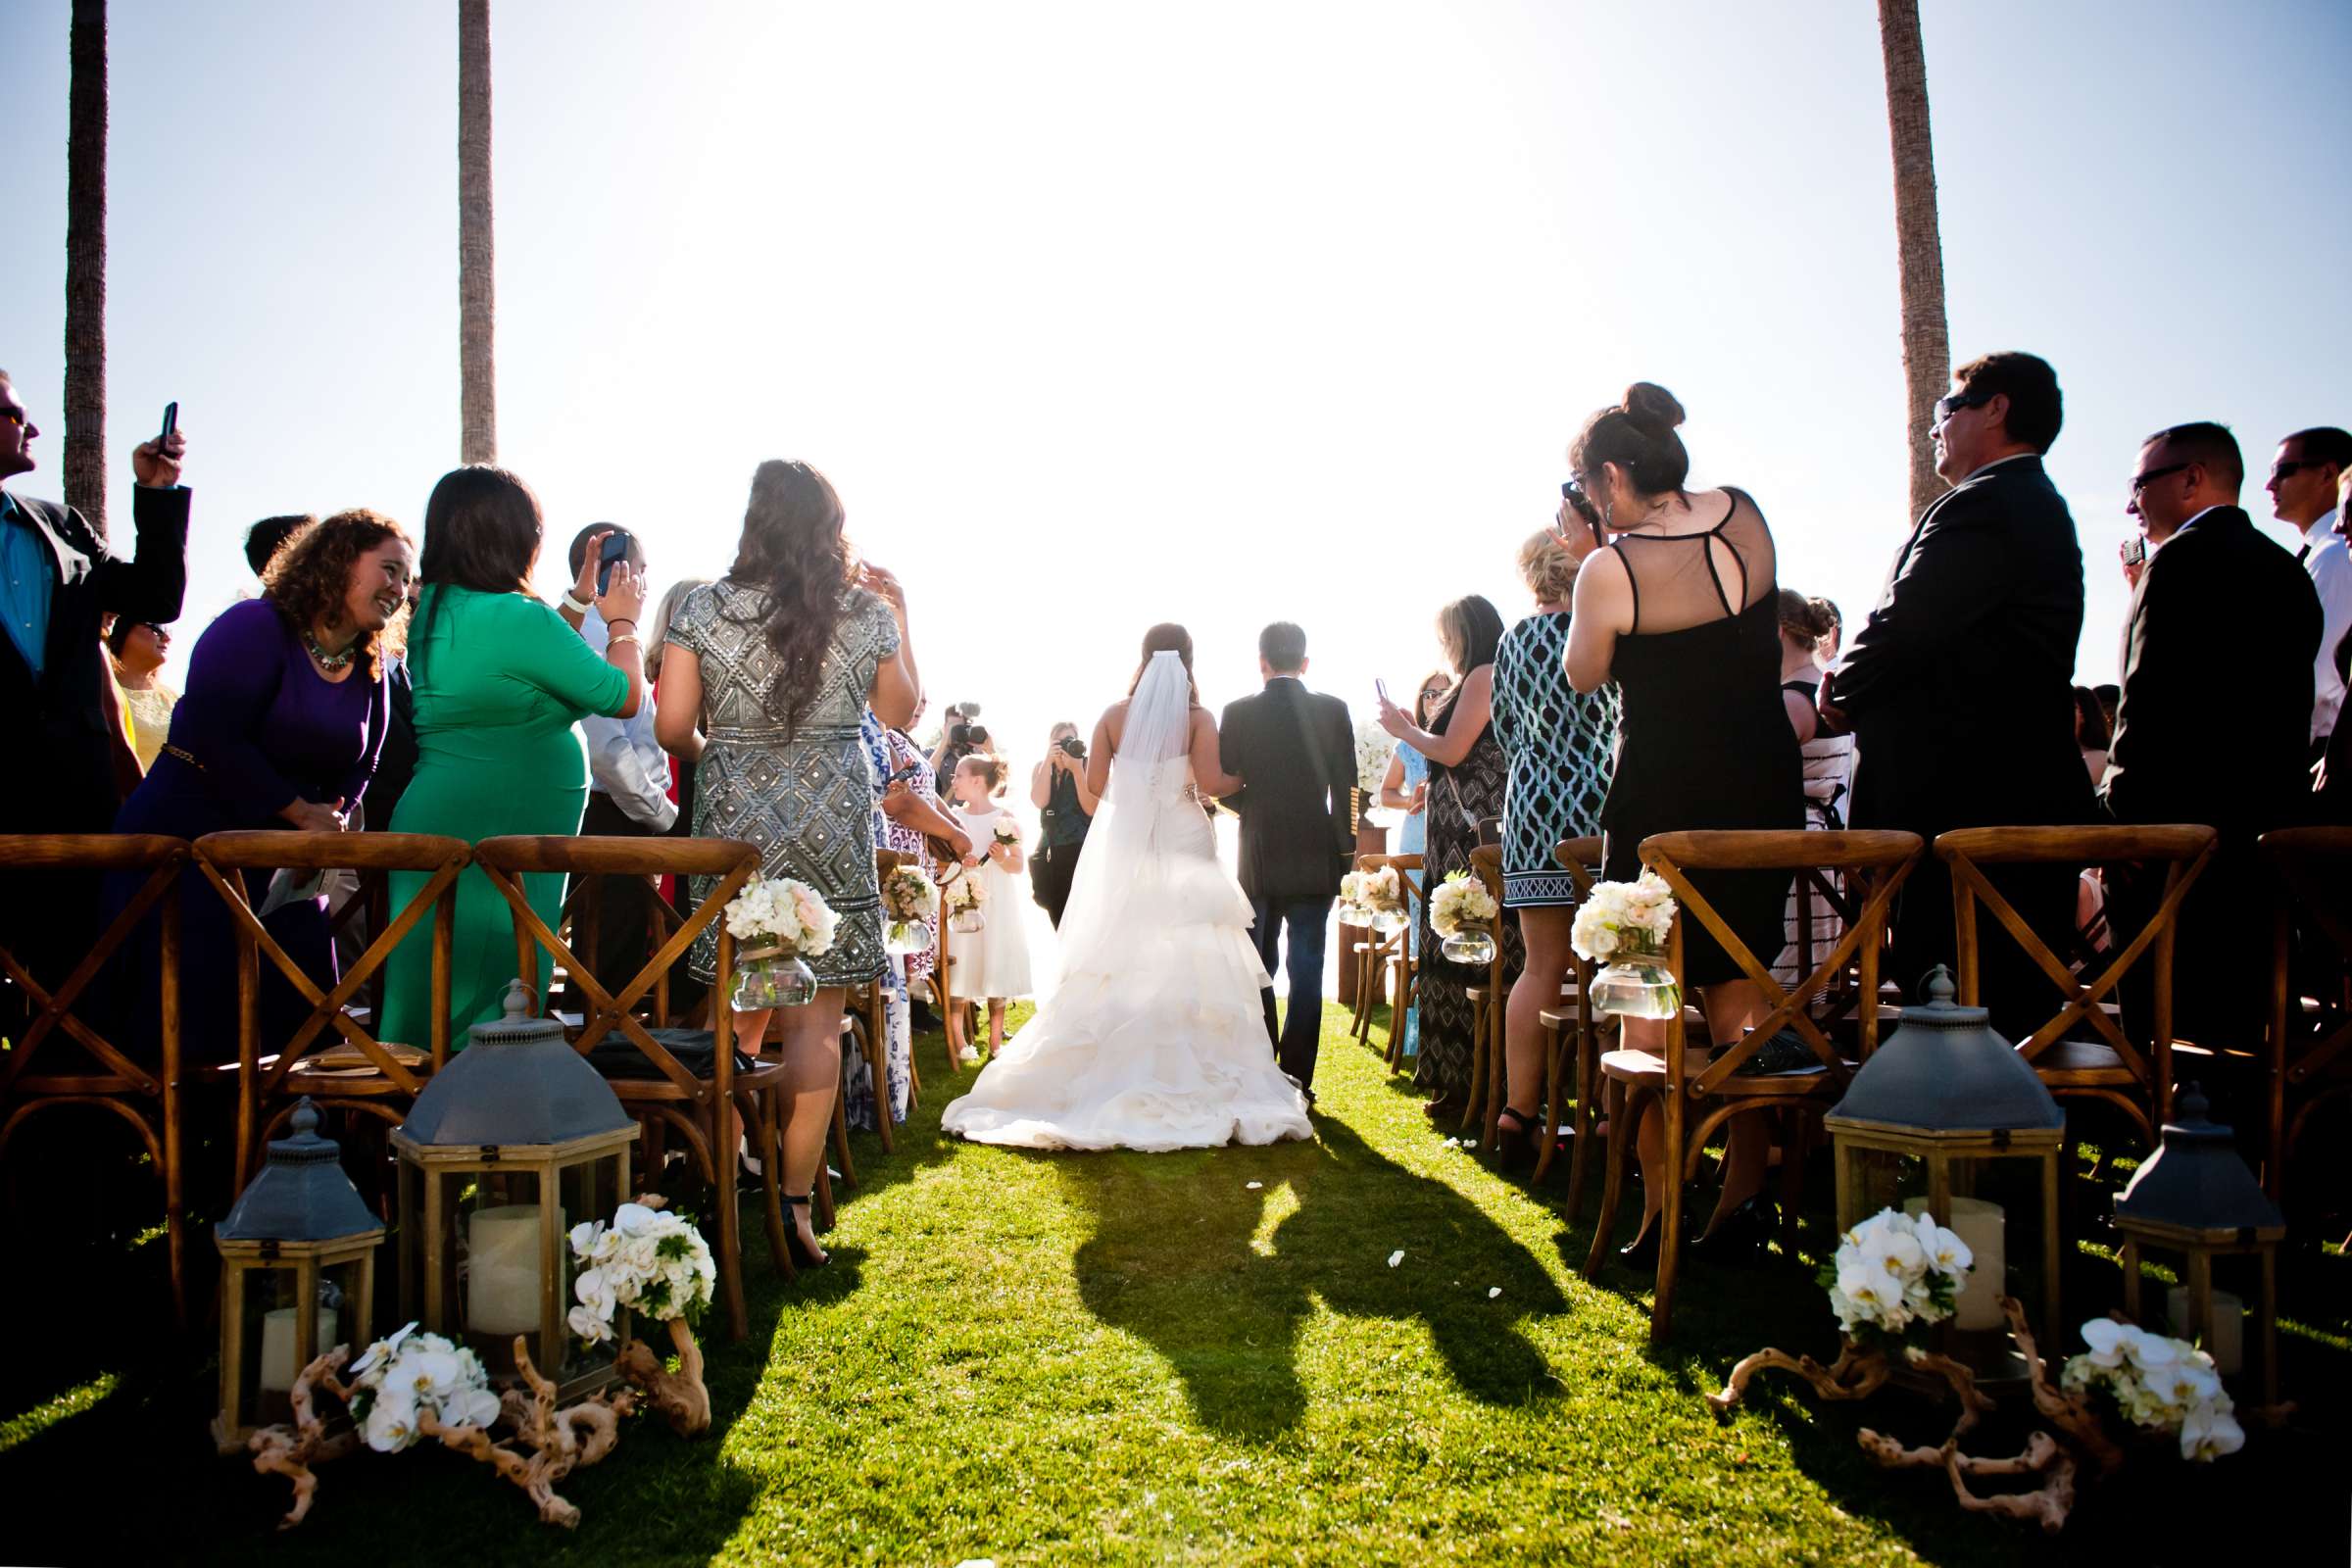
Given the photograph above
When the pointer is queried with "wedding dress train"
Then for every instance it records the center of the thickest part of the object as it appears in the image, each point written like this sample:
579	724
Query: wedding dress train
1155	1039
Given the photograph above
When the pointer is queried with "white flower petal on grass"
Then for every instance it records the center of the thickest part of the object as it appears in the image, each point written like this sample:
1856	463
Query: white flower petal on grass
1396	1257
1493	1291
1255	1186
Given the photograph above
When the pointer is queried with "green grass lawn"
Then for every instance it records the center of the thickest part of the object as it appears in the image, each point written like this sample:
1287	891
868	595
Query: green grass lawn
1202	1356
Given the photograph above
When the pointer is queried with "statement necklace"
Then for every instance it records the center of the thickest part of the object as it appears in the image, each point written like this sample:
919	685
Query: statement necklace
325	659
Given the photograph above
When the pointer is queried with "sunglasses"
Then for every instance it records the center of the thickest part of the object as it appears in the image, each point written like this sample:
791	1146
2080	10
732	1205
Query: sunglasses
14	416
2140	481
2292	467
1945	407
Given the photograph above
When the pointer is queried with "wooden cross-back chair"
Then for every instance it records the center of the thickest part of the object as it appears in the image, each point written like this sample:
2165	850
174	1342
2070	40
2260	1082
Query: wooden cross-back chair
582	923
869	1006
1389	958
1694	1103
709	1108
2308	1055
331	1057
1490	1079
1570	1060
63	1059
2085	1050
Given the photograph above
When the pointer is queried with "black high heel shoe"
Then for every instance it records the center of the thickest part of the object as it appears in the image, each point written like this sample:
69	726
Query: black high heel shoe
1739	1238
801	1256
1515	1139
1642	1251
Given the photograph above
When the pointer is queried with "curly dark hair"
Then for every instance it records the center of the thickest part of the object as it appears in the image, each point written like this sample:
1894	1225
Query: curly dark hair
793	547
309	579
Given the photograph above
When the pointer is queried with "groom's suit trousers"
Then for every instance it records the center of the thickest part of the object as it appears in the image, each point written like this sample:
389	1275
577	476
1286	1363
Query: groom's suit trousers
1297	1039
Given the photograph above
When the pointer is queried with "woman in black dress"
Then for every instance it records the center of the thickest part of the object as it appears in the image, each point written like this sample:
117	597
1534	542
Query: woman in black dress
1681	610
1466	782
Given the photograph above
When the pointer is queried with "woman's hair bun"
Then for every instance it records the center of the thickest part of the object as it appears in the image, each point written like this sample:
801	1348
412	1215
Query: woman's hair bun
1652	408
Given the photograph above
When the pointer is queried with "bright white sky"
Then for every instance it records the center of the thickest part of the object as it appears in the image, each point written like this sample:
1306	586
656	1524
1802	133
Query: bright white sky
1102	315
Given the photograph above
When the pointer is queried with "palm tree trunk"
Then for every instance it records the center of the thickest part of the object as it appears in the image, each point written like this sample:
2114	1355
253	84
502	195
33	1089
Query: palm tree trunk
85	266
477	357
1919	249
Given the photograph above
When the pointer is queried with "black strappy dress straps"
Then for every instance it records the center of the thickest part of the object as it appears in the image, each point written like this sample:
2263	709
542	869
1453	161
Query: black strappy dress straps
1631	581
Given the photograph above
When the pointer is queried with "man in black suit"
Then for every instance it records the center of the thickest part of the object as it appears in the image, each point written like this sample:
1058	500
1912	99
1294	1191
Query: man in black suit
57	581
1294	752
1960	689
2204	740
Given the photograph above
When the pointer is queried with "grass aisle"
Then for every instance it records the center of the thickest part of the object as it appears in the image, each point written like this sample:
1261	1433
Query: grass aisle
1202	1356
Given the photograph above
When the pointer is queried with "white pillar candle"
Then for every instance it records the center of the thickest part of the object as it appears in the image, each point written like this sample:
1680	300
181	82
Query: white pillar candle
278	1366
2224	1335
1983	1227
503	1269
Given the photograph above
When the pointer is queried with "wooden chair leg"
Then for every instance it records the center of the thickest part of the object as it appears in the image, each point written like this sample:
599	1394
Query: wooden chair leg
1499	1072
841	1140
1673	1107
1612	1186
1588	1073
1472	1113
877	1062
821	1203
769	1119
1553	1072
730	1213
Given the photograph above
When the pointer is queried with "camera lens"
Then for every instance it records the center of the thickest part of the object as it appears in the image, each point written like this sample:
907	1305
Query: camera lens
1074	746
977	735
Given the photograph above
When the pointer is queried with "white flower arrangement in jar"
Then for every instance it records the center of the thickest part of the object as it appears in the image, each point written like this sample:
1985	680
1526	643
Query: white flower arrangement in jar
1462	912
780	923
1625	925
910	898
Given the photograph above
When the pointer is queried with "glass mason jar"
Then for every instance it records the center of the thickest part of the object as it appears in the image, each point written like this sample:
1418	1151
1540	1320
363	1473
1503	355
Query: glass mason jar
1389	919
1471	942
1637	984
771	977
903	937
968	919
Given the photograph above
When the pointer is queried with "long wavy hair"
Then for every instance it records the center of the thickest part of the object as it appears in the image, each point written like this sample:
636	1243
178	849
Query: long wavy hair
1168	638
794	551
482	528
309	581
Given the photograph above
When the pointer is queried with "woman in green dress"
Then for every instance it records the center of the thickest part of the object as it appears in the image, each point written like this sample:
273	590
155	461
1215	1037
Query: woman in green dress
765	681
502	683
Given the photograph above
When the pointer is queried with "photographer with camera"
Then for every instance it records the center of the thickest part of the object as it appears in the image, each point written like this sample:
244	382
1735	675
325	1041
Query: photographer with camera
1065	806
962	736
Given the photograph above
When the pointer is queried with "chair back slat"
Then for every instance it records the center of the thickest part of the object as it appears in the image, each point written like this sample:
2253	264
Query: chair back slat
1881	860
55	1011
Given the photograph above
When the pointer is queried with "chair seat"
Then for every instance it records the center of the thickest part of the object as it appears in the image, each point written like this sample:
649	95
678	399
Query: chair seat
1641	1068
1556	1017
2084	1062
343	1082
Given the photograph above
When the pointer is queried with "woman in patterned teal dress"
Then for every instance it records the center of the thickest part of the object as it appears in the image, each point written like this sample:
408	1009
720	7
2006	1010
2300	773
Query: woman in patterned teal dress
1556	746
1406	788
775	665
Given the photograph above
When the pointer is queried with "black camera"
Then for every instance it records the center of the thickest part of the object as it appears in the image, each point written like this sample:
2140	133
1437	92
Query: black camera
975	734
1074	747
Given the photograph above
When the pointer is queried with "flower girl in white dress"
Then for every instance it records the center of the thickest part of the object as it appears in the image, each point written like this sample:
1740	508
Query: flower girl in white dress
993	962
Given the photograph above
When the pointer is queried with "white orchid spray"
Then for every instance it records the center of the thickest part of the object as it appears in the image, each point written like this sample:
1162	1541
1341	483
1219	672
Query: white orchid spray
653	1262
2158	1385
1623	917
1894	1275
1374	747
784	913
1458	900
398	1380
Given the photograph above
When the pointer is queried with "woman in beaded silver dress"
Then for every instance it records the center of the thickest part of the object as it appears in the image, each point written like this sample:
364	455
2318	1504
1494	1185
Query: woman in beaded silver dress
774	666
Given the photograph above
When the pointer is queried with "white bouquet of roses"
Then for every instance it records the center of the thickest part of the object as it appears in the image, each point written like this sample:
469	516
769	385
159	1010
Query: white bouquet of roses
1374	747
781	911
2158	1385
653	1262
1458	900
1623	917
1351	899
1006	832
964	892
1373	893
909	897
412	1375
1894	1274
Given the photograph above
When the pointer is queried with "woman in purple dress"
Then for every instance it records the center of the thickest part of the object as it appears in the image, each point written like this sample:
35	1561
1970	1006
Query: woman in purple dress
280	727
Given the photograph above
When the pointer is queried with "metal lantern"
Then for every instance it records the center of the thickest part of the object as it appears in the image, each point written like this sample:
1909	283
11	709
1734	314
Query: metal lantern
515	1142
297	1277
1946	1117
2196	1198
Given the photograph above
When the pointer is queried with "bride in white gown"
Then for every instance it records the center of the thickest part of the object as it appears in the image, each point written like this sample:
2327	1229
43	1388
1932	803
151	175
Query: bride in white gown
1157	1038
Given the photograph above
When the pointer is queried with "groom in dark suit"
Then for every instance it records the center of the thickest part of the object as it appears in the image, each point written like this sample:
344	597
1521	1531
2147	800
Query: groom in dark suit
1960	690
1294	752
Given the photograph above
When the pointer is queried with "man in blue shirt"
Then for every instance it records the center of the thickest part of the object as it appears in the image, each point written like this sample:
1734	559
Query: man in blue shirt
58	581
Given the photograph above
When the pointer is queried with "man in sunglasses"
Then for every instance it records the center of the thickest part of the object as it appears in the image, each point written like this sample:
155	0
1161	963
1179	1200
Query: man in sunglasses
2302	485
2209	561
1960	686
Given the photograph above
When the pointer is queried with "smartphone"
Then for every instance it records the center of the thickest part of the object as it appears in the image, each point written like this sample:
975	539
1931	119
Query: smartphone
1382	687
171	420
2136	550
616	549
908	774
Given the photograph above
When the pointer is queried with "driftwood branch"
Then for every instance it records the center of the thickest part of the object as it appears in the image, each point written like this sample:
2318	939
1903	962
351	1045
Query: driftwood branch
1856	1374
680	1396
293	1450
559	1440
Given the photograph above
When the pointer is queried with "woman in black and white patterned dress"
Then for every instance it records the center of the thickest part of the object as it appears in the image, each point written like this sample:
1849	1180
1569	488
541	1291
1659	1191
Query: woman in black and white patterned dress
775	664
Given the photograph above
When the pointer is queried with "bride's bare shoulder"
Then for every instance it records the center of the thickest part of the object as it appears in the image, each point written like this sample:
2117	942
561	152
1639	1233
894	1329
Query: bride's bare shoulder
1113	720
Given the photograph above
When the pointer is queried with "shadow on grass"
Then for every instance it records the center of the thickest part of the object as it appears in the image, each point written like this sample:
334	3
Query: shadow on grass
1177	1257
